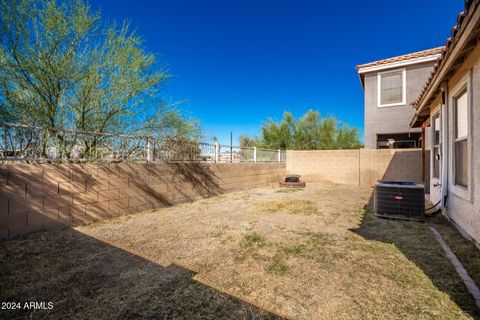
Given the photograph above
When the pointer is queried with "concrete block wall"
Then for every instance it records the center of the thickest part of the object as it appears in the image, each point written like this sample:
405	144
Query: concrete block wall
325	166
385	164
52	196
357	167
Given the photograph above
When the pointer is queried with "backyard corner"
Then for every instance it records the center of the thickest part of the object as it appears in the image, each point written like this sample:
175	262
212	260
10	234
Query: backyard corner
264	253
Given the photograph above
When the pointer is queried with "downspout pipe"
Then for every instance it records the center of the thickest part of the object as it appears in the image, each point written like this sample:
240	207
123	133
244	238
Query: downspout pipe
423	154
444	139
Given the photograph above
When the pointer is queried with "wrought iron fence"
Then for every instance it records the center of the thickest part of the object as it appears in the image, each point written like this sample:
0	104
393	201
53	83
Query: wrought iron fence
39	144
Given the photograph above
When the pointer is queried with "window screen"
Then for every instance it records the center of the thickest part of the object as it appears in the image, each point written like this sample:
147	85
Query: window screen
436	125
436	147
461	117
391	88
461	140
461	163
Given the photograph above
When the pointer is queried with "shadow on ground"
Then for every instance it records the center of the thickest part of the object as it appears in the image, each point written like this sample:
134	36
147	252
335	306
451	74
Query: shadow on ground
89	279
418	244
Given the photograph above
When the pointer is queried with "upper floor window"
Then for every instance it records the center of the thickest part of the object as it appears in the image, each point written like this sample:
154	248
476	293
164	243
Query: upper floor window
461	139
391	88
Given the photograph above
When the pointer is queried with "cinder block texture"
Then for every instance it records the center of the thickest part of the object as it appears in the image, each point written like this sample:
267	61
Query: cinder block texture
51	196
357	167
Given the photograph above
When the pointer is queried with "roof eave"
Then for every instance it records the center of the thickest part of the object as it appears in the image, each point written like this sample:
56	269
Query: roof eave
398	64
363	70
419	118
362	80
458	47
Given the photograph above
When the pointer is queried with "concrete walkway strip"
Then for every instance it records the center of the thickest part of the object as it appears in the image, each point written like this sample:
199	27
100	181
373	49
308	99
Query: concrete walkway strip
471	286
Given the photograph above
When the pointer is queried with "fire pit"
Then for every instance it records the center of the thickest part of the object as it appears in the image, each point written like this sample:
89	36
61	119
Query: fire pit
292	181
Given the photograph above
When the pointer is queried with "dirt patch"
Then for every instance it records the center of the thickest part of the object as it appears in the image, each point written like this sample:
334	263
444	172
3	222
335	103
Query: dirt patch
340	262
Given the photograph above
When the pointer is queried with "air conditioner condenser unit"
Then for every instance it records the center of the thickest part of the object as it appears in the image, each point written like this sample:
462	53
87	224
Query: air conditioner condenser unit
400	200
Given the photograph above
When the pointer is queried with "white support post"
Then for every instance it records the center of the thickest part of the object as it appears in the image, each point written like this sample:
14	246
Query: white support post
217	153
255	154
279	155
149	150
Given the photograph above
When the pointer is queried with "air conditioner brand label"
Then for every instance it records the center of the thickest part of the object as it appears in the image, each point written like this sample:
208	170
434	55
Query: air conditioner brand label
398	197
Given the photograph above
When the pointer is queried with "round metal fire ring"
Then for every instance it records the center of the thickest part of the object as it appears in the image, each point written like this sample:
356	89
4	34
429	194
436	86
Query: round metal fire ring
292	178
292	181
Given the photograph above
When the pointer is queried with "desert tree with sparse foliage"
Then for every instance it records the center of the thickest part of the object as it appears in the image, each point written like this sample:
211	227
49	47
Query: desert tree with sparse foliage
310	132
63	66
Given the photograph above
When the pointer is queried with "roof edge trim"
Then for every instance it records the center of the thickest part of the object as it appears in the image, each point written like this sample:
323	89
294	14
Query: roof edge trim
396	64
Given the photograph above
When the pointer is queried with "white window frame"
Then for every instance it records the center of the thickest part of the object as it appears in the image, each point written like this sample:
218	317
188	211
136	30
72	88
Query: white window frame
458	190
439	145
404	85
463	90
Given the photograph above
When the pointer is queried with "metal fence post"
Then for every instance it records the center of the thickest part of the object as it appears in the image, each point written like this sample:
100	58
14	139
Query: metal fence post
149	150
217	153
115	147
5	141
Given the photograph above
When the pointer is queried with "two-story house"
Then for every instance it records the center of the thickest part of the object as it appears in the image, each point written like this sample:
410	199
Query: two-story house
389	86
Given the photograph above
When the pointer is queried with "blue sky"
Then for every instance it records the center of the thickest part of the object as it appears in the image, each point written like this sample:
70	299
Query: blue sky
237	63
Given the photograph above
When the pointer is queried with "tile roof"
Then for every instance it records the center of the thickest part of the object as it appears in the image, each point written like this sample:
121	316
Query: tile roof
409	56
449	45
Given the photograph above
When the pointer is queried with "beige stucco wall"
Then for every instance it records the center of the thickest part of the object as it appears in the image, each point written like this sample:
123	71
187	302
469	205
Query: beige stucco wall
394	119
463	205
48	197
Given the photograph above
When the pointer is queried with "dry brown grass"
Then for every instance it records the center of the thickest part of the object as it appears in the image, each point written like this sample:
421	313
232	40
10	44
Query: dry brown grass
292	206
464	249
331	260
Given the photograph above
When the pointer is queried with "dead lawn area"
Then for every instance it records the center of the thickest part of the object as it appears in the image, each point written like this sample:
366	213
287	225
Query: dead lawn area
316	253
